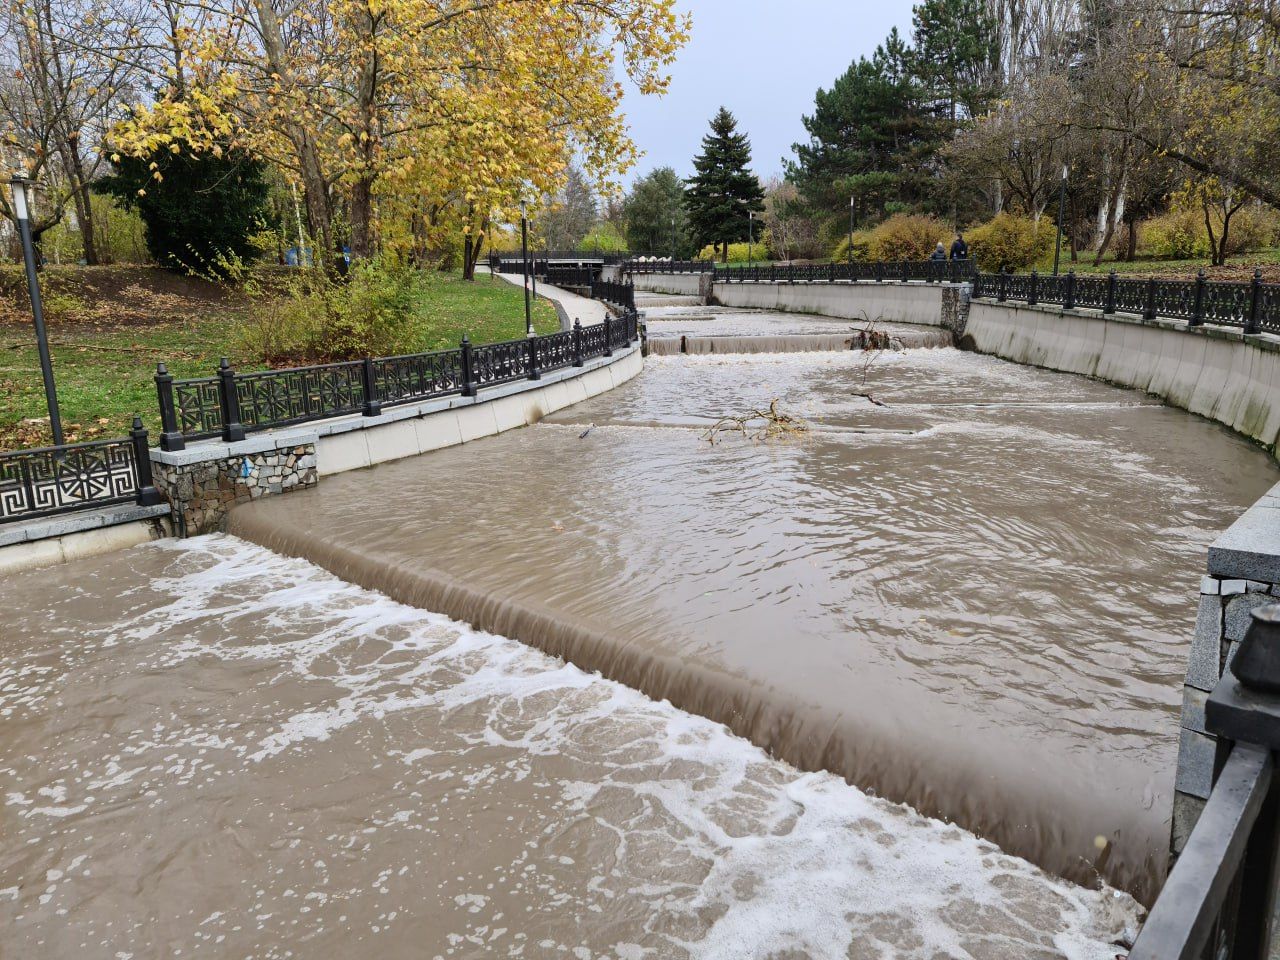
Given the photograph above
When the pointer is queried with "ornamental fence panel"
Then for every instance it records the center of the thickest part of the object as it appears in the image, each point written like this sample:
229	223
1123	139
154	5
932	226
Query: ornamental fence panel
77	476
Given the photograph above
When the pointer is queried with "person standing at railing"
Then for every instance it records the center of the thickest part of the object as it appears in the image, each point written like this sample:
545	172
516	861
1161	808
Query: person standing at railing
939	252
959	249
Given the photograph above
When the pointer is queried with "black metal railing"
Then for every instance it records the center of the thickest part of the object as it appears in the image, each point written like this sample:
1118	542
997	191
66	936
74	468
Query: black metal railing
668	266
1217	903
924	271
77	476
1253	306
568	275
231	405
620	295
513	261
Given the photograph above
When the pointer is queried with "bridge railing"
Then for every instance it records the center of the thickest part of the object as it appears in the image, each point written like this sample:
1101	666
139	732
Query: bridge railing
77	476
899	271
1253	306
1219	899
231	405
513	261
668	266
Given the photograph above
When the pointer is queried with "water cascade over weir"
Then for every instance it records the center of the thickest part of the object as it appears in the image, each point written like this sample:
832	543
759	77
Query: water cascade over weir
965	587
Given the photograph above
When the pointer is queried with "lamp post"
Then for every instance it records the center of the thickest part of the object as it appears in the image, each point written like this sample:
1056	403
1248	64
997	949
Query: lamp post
850	251
751	238
673	238
524	255
21	187
1062	200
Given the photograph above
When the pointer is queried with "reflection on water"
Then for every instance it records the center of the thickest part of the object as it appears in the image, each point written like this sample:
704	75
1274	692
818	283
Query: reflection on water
975	597
212	750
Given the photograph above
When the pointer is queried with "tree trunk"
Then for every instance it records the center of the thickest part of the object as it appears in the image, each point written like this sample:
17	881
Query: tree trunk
315	188
362	219
84	208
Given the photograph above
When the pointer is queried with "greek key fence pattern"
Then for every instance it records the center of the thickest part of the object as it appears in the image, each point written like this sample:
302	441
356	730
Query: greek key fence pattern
77	476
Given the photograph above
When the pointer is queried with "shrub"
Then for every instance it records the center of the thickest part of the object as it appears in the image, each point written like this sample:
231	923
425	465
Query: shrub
1180	234
1010	241
905	236
739	252
313	317
861	247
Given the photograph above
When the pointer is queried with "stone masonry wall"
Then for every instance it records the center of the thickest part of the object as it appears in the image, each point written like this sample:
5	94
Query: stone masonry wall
202	493
1223	615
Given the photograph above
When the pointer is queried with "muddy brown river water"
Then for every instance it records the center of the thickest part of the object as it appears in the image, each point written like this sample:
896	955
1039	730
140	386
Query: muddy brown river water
968	585
976	598
210	750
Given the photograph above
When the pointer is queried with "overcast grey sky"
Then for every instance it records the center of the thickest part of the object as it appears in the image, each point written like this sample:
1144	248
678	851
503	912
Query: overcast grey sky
764	60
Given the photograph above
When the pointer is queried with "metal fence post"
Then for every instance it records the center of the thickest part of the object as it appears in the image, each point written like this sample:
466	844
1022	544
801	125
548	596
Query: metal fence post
1033	290
1197	311
577	343
1254	323
879	271
608	335
1149	307
534	373
170	435
1002	283
468	378
1069	301
1110	305
229	400
148	495
369	382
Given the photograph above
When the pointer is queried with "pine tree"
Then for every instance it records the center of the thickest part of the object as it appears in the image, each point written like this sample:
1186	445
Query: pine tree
723	191
872	137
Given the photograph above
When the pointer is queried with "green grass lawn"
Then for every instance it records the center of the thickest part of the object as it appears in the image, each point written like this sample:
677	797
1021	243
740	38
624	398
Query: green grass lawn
105	370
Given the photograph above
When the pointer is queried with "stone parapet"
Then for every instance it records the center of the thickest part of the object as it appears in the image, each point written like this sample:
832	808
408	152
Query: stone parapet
202	490
1243	573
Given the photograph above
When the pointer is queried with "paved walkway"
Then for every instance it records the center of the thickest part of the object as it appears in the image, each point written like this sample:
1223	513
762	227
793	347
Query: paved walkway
574	306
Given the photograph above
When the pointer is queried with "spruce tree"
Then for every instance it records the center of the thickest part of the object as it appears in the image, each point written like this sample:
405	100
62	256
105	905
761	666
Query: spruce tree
722	191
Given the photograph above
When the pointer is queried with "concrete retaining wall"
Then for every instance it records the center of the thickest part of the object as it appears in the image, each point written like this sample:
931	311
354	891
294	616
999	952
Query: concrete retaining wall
684	284
898	302
1218	373
341	449
74	536
207	479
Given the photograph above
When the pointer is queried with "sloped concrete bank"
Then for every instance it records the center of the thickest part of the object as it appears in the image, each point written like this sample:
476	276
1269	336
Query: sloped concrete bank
1218	373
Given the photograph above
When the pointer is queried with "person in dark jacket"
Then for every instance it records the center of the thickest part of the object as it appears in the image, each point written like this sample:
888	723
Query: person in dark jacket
959	249
940	253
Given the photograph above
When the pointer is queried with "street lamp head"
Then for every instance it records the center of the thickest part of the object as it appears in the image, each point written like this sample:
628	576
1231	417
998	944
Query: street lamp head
1065	171
21	185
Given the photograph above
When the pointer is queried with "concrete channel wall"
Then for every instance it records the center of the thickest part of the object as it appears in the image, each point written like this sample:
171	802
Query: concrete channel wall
680	284
206	480
921	303
1218	373
928	304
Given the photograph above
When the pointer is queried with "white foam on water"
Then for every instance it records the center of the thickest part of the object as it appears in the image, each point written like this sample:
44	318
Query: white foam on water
796	862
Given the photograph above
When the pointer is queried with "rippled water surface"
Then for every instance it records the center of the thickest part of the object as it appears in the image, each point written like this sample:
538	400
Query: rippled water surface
969	587
208	749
